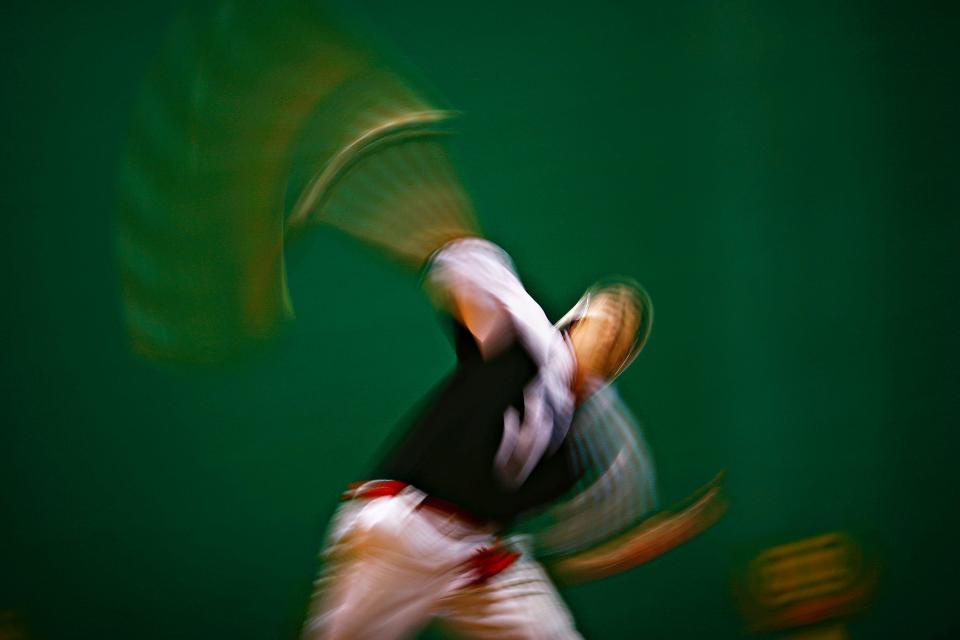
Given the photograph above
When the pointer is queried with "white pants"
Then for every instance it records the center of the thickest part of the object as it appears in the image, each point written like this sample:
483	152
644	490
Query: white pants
391	568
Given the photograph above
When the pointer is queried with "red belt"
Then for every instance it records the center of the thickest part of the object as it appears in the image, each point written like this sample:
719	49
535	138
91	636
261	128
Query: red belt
373	489
484	564
384	488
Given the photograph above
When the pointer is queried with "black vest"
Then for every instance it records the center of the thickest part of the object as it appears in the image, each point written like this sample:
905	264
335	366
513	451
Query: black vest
448	451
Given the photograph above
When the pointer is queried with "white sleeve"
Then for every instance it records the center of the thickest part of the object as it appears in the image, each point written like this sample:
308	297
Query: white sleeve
483	271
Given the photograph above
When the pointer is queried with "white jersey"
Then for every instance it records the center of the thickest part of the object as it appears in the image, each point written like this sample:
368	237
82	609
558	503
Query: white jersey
482	271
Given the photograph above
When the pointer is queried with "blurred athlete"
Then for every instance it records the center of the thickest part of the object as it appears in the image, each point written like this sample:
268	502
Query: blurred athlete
422	538
298	124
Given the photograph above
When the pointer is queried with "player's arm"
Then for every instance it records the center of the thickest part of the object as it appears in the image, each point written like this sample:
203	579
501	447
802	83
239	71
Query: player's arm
475	280
485	318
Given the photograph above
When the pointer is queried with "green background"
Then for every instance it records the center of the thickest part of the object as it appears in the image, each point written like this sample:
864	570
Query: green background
781	176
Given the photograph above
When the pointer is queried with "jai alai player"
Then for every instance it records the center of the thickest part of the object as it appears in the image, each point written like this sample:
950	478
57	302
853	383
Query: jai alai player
424	536
297	125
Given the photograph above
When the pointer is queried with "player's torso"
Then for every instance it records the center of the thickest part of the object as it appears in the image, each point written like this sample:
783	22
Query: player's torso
448	449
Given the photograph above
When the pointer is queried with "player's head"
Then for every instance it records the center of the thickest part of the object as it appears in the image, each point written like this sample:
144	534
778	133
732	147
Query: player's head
607	328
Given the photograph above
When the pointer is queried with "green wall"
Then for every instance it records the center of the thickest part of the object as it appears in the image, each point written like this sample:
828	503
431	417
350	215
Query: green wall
781	177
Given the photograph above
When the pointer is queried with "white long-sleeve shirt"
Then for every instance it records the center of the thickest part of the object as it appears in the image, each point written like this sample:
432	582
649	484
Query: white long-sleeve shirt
483	273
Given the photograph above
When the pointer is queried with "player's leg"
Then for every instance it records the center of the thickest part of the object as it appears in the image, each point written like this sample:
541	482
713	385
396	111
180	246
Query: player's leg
370	597
519	603
377	582
389	565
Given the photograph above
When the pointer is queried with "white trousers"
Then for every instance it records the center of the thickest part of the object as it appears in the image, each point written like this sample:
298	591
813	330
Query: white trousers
391	568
